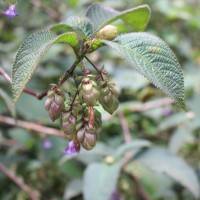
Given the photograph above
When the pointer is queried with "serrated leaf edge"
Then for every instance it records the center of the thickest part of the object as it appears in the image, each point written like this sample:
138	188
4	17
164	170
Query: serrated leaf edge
180	101
16	97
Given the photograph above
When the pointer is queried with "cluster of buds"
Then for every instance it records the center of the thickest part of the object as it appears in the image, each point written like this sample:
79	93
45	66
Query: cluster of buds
80	120
55	103
88	127
82	129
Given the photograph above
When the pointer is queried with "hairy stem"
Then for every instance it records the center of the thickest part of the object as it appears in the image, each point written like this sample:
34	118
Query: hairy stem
94	66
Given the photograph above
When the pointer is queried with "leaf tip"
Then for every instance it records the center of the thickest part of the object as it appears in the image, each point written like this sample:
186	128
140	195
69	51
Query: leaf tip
182	104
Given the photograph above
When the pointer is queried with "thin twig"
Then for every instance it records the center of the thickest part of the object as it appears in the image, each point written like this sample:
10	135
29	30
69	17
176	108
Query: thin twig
7	142
94	66
69	73
125	128
138	187
128	156
50	11
27	91
32	193
151	104
5	75
31	126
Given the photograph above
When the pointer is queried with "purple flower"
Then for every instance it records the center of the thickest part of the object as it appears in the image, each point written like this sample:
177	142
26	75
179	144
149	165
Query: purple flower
47	144
115	196
10	12
166	112
72	148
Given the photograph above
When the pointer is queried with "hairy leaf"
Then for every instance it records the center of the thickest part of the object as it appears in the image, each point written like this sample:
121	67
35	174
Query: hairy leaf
161	160
30	54
81	25
153	58
101	15
100	181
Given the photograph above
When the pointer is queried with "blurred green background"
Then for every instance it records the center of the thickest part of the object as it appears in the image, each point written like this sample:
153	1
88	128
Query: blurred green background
174	135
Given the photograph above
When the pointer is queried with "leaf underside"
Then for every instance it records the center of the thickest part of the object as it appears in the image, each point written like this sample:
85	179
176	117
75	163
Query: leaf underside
81	25
160	160
153	58
100	181
31	52
101	15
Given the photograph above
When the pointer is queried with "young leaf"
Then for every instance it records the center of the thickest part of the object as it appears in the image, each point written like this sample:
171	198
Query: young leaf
161	160
31	52
153	58
101	15
99	181
81	25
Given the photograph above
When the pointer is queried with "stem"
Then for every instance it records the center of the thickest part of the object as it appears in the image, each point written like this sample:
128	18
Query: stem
94	66
32	193
138	187
125	128
128	156
31	126
27	91
69	72
151	104
5	75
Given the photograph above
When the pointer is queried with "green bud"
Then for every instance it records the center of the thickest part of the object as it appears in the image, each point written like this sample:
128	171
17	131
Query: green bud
81	134
59	98
108	32
109	97
89	141
88	92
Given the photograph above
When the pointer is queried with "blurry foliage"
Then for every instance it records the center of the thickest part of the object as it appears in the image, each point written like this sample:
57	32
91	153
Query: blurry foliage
175	135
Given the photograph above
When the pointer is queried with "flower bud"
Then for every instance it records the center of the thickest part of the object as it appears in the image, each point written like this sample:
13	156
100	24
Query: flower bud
88	92
54	104
89	141
109	97
74	147
68	122
108	32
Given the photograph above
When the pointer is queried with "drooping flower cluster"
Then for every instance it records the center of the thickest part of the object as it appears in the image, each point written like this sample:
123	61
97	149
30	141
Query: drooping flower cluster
79	119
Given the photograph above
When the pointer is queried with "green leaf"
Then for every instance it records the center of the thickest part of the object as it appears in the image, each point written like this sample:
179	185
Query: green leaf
153	58
73	189
30	54
180	137
101	15
81	25
161	160
132	146
99	181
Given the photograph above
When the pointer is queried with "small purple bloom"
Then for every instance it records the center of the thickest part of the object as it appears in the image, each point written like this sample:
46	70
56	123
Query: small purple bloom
71	149
166	112
47	144
10	12
115	196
